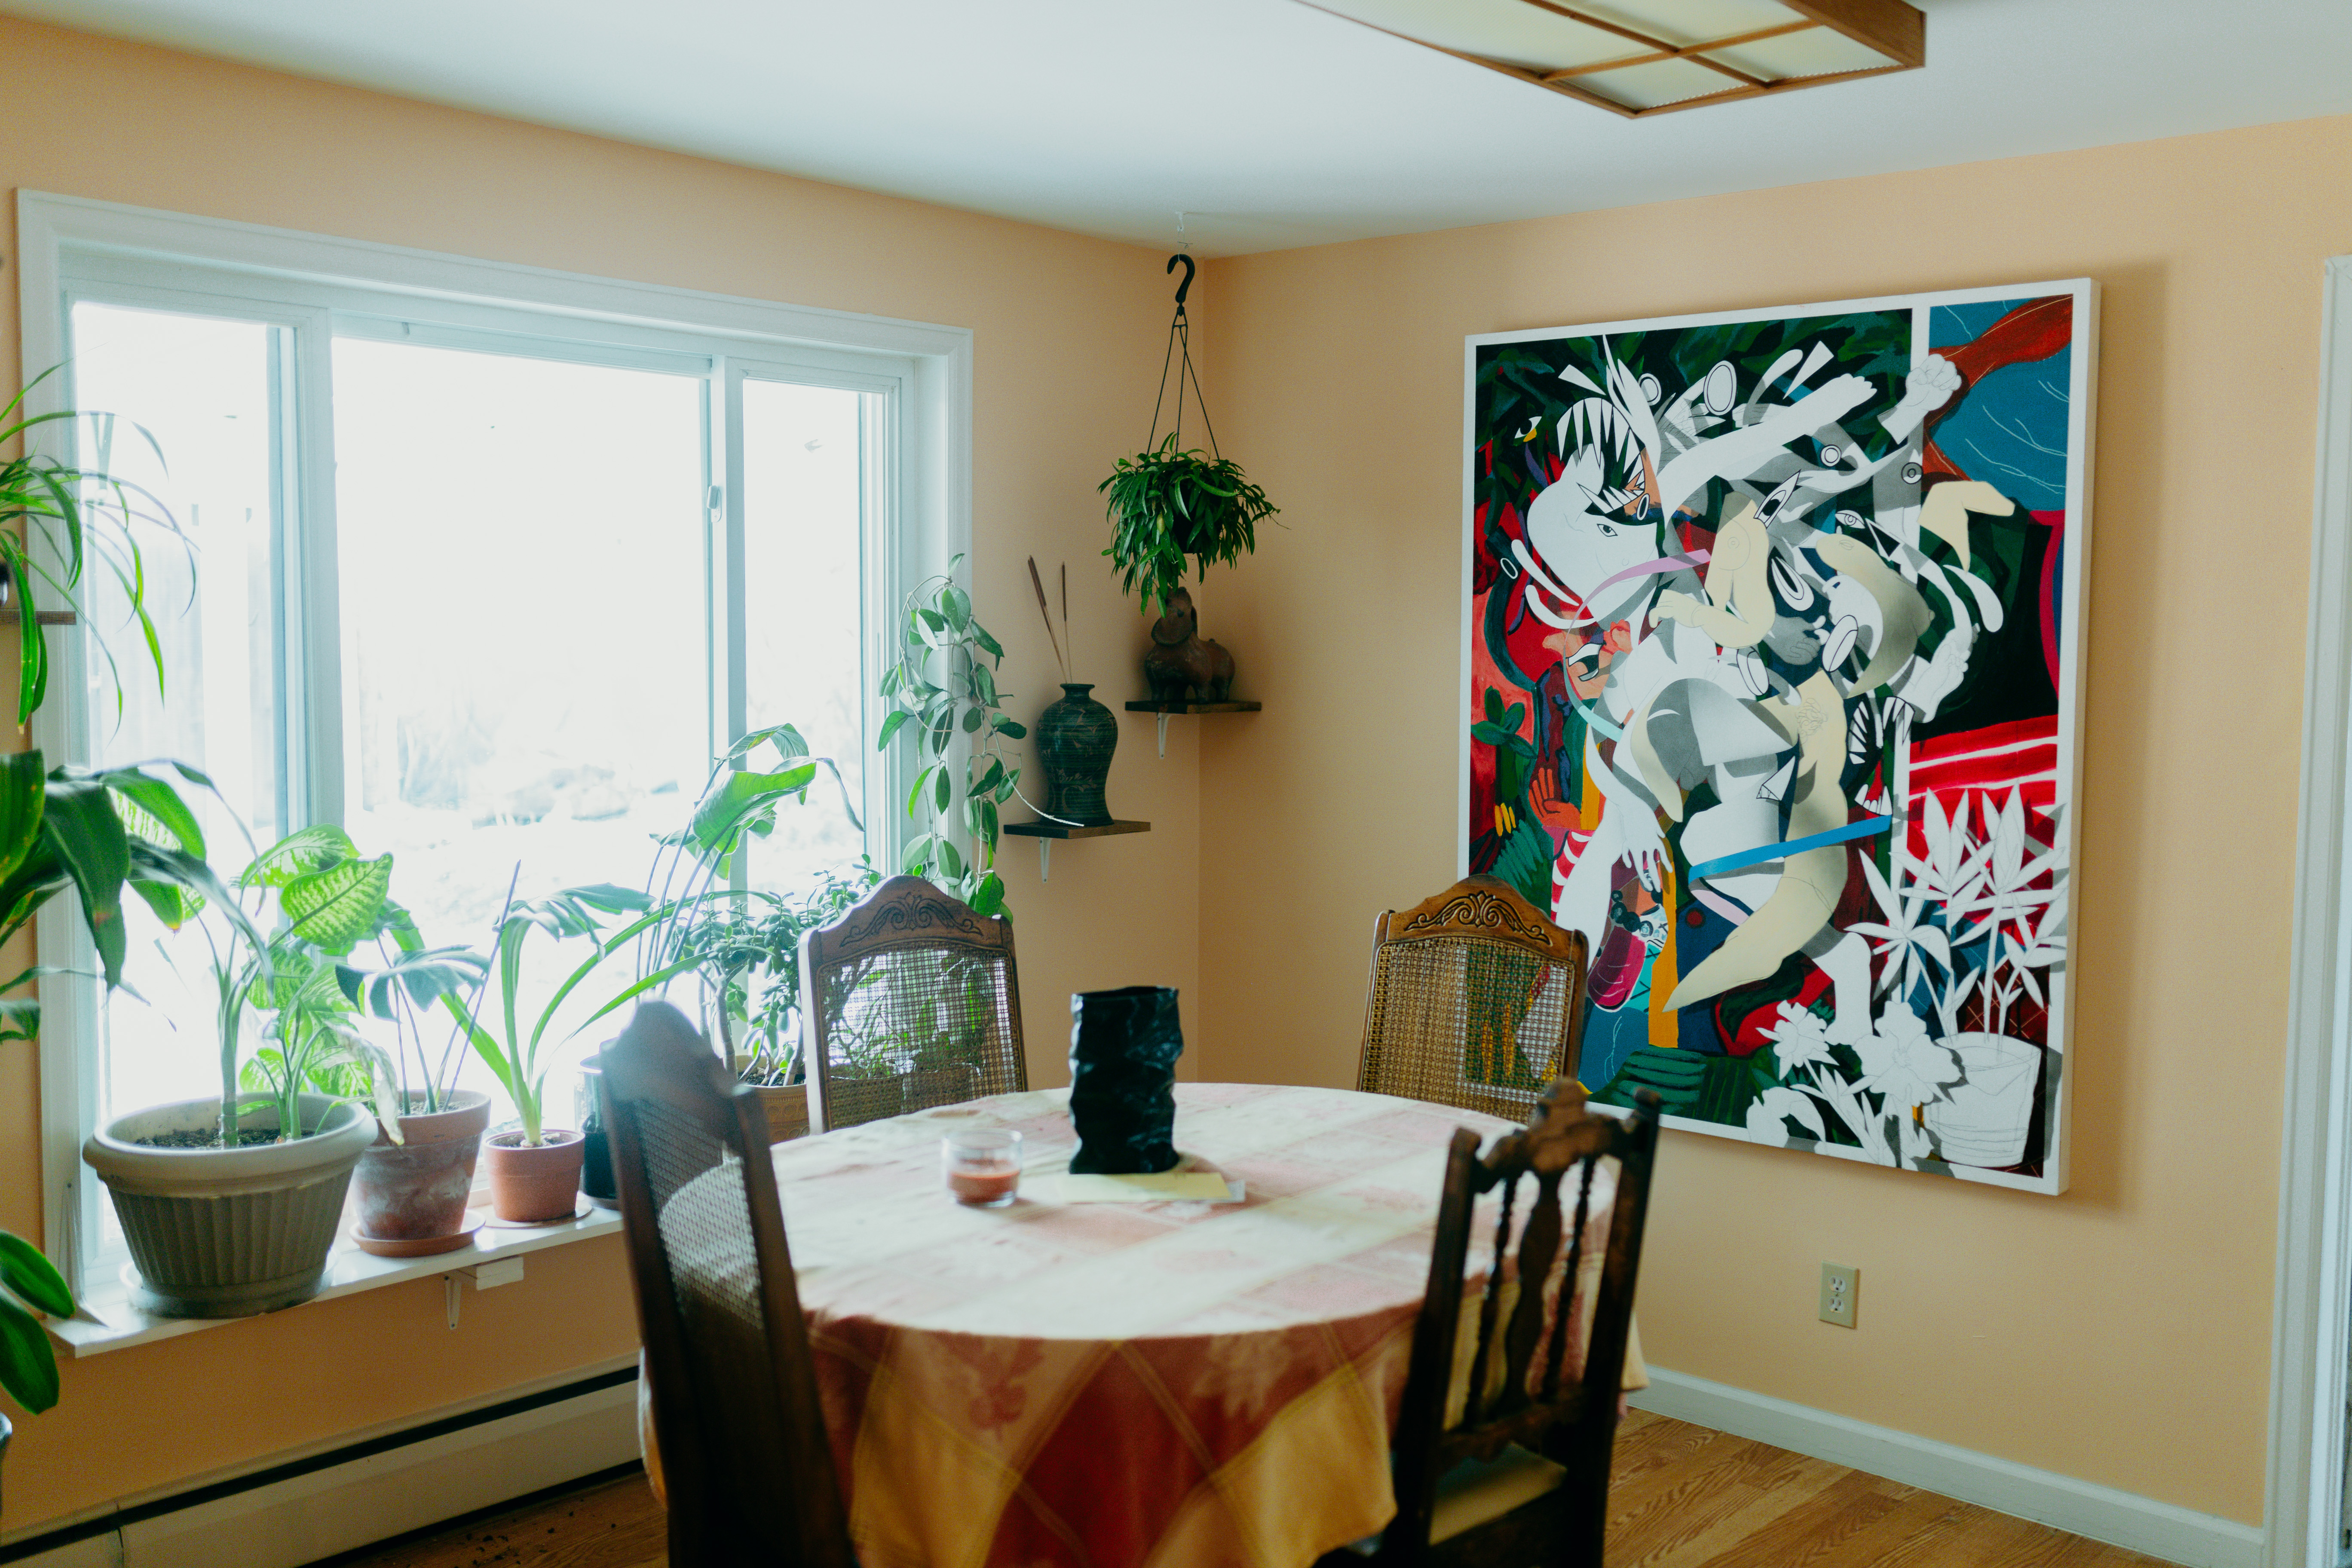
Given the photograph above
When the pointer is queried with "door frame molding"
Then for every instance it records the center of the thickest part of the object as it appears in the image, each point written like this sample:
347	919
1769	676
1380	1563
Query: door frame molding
2311	1337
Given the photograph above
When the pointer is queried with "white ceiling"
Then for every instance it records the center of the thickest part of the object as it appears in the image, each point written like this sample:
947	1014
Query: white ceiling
1268	122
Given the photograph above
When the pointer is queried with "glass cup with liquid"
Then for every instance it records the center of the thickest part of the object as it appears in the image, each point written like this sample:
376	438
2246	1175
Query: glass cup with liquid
982	1166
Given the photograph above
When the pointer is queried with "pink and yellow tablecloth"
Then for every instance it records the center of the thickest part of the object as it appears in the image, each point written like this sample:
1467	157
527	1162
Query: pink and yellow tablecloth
1118	1386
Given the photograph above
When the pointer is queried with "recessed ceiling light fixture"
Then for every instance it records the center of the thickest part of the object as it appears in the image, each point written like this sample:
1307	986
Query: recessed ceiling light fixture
1638	57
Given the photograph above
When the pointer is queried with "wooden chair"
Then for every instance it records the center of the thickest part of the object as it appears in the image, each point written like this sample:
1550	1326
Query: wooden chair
1520	1475
1476	1001
908	1001
747	1468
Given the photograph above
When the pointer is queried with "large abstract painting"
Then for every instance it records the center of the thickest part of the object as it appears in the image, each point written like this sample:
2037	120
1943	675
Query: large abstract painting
1773	676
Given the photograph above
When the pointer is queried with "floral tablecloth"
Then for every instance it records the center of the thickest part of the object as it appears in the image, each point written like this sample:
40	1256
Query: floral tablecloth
1117	1385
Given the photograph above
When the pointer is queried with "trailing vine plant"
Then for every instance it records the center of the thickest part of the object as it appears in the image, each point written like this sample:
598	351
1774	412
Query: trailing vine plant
944	684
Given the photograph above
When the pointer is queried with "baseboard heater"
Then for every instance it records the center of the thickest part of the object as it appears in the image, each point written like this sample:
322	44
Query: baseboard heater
300	1512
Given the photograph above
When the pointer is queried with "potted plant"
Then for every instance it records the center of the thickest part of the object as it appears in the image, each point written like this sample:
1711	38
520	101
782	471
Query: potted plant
534	1169
57	523
229	1205
1167	504
943	706
749	945
413	1183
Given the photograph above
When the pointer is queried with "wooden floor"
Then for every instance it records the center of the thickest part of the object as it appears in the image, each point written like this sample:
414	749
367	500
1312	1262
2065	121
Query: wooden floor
1684	1497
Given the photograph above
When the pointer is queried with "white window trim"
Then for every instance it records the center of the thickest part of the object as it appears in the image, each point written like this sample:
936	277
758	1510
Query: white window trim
61	239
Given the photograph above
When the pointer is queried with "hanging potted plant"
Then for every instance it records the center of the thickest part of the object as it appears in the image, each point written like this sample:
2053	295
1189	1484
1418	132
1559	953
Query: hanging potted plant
1170	504
229	1204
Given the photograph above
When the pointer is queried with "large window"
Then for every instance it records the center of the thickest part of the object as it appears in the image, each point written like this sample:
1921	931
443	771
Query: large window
487	585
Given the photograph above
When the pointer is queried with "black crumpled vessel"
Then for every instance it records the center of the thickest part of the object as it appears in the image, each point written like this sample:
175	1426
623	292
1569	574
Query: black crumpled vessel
1123	1049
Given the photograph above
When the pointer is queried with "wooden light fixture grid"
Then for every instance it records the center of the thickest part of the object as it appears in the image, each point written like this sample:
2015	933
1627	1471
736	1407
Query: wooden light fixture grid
1895	29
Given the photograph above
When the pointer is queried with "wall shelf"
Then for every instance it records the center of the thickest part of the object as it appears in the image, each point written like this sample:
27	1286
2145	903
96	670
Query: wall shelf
1044	833
43	618
1165	708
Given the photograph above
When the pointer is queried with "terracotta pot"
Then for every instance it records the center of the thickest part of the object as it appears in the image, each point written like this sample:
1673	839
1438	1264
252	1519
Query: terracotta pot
222	1233
416	1189
787	1110
531	1186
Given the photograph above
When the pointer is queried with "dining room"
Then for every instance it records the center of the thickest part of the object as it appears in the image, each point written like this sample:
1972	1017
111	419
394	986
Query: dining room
794	785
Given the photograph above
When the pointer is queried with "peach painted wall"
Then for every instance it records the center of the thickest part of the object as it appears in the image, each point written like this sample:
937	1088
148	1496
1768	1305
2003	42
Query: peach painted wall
1068	333
2120	1334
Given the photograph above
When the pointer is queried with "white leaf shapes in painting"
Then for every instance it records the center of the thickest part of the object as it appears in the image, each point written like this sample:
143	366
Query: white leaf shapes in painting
1769	1112
1799	1040
1902	1065
1907	939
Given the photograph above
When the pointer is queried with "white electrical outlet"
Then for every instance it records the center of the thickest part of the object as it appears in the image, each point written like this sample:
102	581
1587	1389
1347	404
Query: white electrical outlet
1840	1287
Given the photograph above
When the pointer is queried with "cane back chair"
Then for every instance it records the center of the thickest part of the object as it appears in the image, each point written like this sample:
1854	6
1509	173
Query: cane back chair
1508	1465
908	1001
747	1469
1476	1001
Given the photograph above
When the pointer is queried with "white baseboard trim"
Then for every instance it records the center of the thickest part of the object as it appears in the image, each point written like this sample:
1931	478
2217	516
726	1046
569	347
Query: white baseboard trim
2103	1513
337	1508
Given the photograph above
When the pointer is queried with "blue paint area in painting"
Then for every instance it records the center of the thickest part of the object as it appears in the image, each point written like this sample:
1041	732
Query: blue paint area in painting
2011	429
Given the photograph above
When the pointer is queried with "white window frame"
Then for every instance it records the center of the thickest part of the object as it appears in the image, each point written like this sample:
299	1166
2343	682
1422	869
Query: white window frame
917	497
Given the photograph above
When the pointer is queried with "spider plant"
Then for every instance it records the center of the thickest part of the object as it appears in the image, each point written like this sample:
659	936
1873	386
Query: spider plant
1167	504
58	523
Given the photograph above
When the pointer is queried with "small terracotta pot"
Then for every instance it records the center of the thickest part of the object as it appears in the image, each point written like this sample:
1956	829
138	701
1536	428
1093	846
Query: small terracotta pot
531	1186
416	1189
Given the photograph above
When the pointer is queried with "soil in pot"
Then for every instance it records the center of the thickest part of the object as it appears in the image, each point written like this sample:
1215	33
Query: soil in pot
534	1185
415	1190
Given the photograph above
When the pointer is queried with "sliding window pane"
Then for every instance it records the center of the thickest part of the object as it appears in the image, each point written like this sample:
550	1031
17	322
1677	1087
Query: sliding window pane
525	662
190	413
803	525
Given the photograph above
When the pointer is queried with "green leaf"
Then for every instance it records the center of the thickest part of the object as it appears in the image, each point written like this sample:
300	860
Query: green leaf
955	604
720	819
161	802
79	819
300	853
333	909
950	859
980	635
23	793
943	791
973	718
28	1368
1009	729
20	1017
33	1276
173	906
890	722
988	897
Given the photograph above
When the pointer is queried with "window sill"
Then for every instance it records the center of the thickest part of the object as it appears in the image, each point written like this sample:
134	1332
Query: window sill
110	1322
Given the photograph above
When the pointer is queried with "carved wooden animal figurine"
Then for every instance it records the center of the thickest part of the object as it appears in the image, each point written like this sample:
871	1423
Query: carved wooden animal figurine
1183	666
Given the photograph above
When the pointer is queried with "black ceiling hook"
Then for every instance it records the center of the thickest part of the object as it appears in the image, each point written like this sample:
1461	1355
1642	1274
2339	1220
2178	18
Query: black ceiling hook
1185	286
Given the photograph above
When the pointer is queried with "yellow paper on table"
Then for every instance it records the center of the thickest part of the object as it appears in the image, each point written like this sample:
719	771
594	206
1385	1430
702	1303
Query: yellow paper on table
1196	1186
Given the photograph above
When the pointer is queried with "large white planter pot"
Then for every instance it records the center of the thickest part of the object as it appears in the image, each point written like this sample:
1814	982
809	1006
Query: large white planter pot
224	1233
1985	1120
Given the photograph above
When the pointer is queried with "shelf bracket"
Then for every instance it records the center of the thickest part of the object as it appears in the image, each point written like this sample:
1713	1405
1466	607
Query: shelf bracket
1044	859
1163	734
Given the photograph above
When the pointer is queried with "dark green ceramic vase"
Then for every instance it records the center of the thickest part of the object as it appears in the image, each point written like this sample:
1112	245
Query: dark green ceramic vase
1075	740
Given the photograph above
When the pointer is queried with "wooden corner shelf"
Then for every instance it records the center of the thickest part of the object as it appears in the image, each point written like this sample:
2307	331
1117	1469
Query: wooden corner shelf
1165	708
1044	833
43	617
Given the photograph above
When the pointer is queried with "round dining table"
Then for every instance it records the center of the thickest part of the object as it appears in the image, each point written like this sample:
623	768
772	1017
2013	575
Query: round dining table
1110	1384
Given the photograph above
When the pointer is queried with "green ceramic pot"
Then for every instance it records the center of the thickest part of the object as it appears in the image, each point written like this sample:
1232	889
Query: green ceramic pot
1076	738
